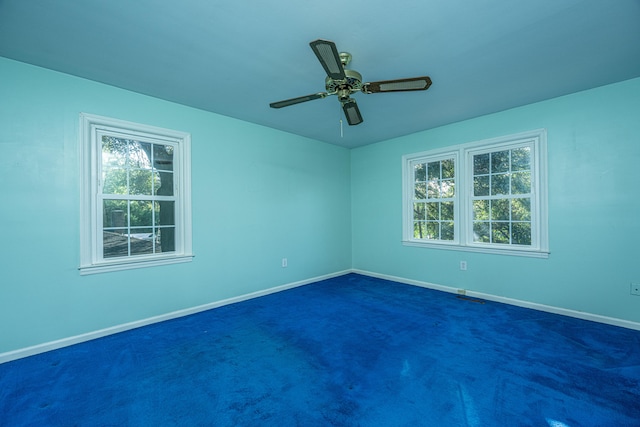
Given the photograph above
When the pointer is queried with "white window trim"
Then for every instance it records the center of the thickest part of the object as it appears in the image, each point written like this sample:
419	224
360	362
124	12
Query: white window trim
90	262
464	188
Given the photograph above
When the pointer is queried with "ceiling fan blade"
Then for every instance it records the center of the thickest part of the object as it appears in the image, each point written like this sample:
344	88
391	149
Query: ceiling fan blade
400	85
352	112
298	100
329	57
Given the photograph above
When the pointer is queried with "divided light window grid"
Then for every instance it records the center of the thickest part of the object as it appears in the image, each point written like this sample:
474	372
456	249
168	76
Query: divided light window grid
485	196
137	196
434	192
501	197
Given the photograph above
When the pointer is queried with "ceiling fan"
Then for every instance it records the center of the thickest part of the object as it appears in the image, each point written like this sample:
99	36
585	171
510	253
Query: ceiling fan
343	82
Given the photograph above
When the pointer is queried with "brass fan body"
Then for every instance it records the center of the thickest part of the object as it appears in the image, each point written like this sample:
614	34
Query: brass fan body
344	87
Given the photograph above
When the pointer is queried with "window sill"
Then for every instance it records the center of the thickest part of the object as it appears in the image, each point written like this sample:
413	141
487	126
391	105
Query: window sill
498	251
129	265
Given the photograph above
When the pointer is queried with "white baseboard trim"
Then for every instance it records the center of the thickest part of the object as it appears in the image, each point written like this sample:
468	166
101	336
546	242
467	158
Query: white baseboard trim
65	342
520	303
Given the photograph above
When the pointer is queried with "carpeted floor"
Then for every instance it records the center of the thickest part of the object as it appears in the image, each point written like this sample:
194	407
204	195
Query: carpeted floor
349	351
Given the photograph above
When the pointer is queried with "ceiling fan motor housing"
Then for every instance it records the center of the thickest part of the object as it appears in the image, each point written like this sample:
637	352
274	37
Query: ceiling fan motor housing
343	88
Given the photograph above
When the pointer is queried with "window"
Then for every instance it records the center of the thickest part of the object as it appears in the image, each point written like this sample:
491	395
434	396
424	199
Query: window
487	196
501	197
434	185
135	195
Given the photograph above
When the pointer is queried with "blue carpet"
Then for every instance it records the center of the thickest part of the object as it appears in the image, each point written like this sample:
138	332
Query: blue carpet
349	351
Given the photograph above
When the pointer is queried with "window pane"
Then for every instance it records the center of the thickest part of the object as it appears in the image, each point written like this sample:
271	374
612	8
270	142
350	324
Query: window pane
420	172
446	211
521	183
166	241
115	243
433	191
114	181
500	210
433	170
419	211
481	186
139	153
140	182
481	232
520	159
481	164
419	230
447	188
145	234
447	230
521	209
500	232
420	191
164	184
500	161
163	157
114	152
114	213
155	178
448	168
521	234
433	231
141	241
481	209
433	211
141	215
499	184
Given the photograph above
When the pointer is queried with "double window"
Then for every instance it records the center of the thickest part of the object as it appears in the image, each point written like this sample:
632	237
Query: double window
135	195
485	196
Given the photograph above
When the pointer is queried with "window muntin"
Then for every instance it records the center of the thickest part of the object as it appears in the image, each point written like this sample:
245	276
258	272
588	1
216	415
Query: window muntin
498	197
136	195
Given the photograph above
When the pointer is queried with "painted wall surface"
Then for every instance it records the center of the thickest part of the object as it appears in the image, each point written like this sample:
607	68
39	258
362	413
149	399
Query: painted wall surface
258	195
594	206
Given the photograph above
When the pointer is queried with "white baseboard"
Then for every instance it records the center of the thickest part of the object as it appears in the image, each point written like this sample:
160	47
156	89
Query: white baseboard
520	303
65	342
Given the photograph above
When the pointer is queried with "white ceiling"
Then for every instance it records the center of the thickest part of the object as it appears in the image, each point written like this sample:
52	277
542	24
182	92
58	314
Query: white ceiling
234	57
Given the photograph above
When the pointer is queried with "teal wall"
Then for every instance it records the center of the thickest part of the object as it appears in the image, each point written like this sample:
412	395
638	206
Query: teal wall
594	206
258	195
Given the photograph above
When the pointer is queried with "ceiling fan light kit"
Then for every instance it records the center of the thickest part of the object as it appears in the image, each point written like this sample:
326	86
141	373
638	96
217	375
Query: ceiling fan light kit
343	82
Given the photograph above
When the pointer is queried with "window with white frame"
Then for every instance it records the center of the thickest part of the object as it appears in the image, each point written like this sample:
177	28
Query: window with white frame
434	185
135	195
487	196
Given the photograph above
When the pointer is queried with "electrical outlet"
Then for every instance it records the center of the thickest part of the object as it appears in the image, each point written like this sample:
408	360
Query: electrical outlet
284	262
463	265
635	289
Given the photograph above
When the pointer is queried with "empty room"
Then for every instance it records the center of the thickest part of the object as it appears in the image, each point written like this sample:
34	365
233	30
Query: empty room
282	213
